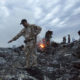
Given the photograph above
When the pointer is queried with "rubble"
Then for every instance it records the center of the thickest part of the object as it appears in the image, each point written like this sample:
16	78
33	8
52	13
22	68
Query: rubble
63	64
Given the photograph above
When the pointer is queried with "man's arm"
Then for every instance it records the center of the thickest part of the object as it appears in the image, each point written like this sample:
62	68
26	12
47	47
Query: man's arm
37	29
17	36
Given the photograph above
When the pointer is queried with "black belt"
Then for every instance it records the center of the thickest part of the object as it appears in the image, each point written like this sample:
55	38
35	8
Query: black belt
28	40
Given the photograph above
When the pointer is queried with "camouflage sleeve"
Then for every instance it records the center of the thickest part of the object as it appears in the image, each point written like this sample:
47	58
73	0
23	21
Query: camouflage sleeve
18	35
37	29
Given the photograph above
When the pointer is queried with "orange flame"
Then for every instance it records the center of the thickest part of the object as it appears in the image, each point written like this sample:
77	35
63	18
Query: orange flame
42	45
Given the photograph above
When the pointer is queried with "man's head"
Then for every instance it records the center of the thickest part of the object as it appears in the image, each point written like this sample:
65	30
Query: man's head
24	22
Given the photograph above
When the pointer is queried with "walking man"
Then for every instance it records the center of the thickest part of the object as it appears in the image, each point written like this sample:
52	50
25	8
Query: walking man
69	38
79	34
64	40
29	32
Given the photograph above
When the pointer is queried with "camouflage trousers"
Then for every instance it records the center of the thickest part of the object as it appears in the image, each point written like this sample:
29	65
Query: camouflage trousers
31	57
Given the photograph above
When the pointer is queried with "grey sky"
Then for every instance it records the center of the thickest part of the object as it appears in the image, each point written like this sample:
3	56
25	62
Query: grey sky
61	16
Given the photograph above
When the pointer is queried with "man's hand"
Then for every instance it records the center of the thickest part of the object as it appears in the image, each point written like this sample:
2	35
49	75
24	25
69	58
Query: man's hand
10	41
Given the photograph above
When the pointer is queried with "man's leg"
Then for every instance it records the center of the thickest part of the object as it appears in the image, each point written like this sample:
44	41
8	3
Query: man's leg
34	56
27	53
34	61
28	60
31	57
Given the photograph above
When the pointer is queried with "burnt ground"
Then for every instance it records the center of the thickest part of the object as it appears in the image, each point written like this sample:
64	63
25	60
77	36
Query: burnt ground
62	64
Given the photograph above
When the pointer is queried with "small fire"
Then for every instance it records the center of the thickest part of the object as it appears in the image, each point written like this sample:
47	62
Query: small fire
42	45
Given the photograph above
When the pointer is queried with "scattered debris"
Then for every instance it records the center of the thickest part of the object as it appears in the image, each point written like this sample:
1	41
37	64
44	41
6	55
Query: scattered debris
63	65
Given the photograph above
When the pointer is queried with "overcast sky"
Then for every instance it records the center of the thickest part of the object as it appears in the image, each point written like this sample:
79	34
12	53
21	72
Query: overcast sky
60	16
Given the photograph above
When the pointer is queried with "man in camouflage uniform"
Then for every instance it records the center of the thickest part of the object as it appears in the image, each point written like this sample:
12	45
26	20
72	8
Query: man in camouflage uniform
30	33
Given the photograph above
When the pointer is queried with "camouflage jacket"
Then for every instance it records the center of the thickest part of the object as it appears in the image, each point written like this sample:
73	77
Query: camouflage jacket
30	32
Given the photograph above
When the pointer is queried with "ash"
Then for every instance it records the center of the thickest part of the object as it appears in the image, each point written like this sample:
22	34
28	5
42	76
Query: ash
63	63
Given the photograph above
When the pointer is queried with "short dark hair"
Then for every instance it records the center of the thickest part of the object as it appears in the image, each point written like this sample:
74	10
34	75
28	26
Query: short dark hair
23	20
